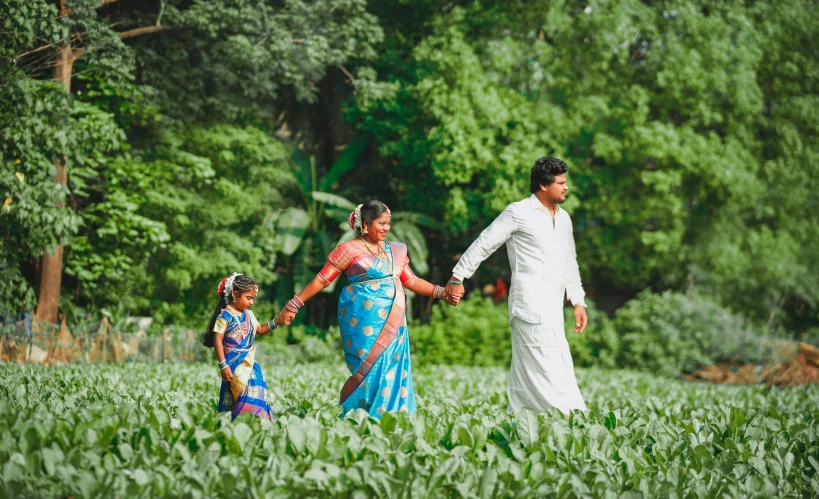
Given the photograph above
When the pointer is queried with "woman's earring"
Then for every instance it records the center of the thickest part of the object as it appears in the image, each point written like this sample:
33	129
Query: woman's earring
364	230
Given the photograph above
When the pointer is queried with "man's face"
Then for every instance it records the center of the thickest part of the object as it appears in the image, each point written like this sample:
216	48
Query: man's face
557	190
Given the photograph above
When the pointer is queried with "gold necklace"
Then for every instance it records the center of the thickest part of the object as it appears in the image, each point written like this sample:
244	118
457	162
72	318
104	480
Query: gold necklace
381	251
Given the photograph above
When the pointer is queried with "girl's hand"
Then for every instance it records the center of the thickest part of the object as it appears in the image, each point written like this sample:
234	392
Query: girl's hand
227	374
285	317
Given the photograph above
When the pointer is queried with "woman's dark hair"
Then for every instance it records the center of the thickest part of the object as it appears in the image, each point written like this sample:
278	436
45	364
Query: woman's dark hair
545	171
241	284
370	211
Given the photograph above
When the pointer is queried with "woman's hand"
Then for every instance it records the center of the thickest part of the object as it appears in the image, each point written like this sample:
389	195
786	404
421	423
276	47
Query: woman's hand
285	317
227	374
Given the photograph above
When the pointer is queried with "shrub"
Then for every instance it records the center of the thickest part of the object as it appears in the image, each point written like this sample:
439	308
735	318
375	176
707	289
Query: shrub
475	333
672	333
598	345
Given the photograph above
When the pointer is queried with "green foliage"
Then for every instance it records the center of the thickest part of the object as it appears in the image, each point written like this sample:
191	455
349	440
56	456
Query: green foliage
136	429
31	221
212	189
474	333
672	333
599	345
250	60
668	334
689	128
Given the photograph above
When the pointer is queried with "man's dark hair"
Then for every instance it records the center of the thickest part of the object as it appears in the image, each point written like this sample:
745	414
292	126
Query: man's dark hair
544	172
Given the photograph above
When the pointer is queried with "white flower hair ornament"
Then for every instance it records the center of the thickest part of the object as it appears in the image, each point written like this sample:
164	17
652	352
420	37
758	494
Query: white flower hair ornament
226	286
355	218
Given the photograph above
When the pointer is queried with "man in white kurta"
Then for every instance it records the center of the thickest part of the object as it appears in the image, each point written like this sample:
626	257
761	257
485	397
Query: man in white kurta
541	249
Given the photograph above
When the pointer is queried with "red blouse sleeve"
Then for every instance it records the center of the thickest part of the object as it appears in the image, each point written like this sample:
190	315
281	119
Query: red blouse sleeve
407	273
337	262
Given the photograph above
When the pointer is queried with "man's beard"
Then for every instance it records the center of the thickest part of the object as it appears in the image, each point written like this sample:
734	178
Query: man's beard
561	200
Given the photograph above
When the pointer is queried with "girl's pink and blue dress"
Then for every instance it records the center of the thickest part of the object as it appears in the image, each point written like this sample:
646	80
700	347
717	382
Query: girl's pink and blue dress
247	390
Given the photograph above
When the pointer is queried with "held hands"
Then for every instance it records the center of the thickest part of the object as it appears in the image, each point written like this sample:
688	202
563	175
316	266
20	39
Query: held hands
453	293
580	319
285	317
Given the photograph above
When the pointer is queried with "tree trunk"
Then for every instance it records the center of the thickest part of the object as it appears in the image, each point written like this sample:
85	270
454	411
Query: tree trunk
51	276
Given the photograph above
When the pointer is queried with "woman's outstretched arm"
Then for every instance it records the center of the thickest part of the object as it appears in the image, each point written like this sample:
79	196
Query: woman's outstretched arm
421	286
323	279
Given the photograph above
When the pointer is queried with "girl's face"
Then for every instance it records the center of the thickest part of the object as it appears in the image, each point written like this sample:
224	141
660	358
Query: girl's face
377	231
244	300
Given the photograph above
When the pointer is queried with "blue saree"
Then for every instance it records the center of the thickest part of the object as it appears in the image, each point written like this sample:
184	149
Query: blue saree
246	391
371	304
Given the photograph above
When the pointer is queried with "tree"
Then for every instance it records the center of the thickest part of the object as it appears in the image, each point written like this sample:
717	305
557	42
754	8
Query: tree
282	50
674	118
74	30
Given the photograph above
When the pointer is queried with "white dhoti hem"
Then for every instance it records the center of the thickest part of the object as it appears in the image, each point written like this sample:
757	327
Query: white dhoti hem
542	373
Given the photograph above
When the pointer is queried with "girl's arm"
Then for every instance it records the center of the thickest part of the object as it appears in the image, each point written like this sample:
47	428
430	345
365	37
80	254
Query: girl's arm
337	261
227	374
265	328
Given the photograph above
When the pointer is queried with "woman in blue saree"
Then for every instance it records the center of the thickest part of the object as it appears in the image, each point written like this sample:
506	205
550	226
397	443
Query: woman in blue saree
371	313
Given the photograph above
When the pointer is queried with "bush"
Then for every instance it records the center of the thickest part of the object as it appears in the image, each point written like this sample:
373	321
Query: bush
477	333
598	345
474	333
673	333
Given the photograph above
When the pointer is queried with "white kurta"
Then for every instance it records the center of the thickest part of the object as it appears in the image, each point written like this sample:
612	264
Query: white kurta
544	270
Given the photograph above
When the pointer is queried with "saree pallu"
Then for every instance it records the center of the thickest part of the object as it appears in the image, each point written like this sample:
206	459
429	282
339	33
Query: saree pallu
373	299
247	391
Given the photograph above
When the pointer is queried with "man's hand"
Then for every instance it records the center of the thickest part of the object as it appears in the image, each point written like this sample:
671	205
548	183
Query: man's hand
449	298
455	292
580	319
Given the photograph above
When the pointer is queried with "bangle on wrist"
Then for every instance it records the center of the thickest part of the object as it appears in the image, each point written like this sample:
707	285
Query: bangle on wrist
223	365
272	324
294	304
455	283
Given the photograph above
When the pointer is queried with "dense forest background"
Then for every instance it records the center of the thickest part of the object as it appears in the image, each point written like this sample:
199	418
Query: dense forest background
148	149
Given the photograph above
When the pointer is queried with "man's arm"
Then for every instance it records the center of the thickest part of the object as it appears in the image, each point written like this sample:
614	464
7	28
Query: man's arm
487	243
574	287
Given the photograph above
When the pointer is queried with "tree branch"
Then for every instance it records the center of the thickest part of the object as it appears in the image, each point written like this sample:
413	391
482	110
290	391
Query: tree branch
142	31
344	70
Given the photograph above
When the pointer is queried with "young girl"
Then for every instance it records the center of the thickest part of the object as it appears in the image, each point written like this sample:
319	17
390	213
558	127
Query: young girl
232	331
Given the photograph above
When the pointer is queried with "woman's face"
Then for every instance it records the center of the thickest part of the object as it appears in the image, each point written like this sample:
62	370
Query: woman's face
377	231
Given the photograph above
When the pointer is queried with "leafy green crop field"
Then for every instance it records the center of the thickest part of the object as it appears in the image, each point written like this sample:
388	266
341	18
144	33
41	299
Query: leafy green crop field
145	430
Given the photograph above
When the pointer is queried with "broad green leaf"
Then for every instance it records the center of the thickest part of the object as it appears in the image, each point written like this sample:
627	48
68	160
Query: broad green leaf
527	424
296	436
346	161
333	200
242	433
416	245
292	227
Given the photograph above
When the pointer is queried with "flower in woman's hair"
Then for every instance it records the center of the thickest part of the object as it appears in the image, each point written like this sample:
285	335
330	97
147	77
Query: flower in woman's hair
222	286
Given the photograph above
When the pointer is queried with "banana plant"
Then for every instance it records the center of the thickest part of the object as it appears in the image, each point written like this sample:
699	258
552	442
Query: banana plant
308	233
